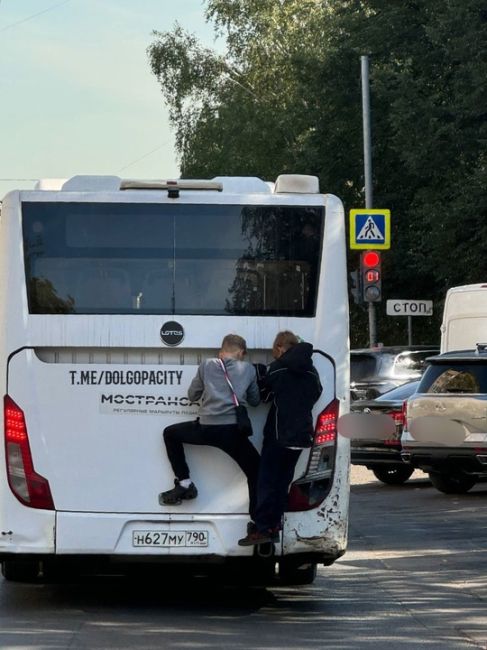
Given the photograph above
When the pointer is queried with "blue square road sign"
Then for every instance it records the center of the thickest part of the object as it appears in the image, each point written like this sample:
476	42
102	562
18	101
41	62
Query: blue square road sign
370	229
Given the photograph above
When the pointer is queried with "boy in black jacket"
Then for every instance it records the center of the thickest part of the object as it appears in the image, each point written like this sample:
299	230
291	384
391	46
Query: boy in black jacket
293	385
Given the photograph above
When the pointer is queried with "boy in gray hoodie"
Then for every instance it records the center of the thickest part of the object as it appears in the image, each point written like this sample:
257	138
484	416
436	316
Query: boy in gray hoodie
216	424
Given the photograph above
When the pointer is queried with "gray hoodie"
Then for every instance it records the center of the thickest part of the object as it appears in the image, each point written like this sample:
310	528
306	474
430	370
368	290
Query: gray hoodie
210	385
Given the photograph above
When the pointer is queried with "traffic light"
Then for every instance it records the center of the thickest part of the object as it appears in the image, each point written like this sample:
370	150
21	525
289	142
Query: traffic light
355	291
371	274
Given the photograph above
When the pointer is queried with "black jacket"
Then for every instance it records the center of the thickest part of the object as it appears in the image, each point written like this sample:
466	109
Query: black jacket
293	385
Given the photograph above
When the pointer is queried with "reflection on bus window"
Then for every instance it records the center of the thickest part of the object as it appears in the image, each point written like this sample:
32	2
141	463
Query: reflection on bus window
184	259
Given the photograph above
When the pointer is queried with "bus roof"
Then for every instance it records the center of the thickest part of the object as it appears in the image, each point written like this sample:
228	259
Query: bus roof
285	183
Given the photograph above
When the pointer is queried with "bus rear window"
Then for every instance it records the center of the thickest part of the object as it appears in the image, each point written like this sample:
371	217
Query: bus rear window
146	258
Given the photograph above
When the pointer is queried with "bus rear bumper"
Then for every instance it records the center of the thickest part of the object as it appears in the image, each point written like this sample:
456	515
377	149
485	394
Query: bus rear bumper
132	535
136	539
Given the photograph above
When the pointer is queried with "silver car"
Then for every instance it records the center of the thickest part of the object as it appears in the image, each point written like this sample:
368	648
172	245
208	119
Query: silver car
374	371
445	432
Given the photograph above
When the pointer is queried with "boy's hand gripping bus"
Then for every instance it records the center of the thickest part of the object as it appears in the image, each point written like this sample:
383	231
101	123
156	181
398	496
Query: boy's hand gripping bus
112	292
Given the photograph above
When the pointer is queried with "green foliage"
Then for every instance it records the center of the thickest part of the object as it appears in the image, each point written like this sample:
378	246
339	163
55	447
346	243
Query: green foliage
285	96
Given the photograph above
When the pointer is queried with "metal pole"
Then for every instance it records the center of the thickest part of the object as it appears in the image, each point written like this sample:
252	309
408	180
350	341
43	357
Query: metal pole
364	60
369	199
410	331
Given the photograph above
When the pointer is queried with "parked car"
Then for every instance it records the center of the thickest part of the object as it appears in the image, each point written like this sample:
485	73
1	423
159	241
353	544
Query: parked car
383	457
446	428
374	371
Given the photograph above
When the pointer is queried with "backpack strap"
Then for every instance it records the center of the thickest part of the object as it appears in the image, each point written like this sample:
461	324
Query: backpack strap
234	395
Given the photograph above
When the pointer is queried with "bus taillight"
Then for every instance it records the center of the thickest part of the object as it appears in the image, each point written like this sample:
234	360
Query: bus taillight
326	425
310	490
30	488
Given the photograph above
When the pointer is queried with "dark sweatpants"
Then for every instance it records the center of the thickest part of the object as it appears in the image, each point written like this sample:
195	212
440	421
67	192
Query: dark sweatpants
277	465
223	436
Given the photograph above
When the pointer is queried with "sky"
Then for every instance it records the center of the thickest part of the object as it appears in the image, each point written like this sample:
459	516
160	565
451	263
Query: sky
77	95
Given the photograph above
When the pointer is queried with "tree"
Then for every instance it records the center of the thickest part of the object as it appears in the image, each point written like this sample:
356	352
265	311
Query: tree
254	110
285	96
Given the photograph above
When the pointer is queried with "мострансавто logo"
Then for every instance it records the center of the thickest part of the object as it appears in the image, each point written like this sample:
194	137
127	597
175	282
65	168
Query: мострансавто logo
172	333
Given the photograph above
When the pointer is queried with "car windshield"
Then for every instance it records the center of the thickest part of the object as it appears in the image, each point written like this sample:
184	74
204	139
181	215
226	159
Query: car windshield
411	363
455	378
388	363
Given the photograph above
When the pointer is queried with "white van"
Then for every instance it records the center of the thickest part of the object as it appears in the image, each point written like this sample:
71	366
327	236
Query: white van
111	294
464	317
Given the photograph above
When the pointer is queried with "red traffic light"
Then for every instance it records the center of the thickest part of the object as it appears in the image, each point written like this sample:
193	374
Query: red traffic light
370	259
371	276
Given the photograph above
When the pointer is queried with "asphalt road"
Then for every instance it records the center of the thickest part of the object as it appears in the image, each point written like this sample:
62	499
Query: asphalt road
415	576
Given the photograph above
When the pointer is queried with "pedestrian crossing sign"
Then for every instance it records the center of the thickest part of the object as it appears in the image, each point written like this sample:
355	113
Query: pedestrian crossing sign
370	229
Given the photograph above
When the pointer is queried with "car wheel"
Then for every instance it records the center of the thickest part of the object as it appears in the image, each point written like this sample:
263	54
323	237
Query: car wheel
20	570
293	573
393	475
456	484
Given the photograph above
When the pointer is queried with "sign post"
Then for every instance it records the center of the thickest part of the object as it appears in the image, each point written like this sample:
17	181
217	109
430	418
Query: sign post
409	308
369	201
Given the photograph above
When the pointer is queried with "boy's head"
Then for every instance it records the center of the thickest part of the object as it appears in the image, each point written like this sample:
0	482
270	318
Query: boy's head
283	341
233	346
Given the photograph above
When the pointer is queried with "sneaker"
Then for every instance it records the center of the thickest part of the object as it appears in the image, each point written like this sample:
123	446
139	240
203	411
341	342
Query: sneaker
179	493
255	538
273	532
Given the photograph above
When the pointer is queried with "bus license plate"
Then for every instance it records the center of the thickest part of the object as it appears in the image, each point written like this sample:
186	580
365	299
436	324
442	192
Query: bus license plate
170	539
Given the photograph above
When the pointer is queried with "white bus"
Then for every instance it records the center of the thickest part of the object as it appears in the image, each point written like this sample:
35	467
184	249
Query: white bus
112	292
